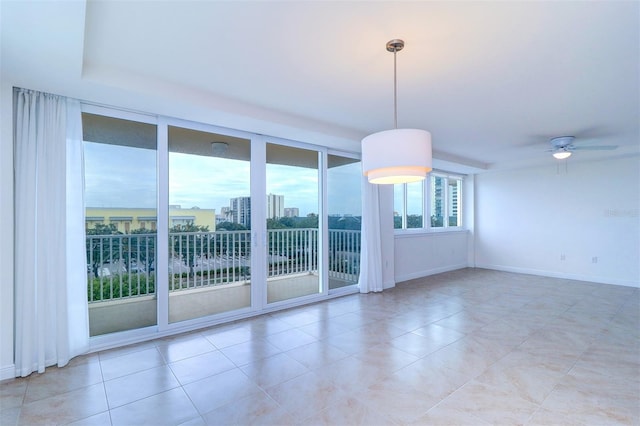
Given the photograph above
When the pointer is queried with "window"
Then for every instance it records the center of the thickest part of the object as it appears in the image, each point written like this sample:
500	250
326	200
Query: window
437	198
234	222
120	181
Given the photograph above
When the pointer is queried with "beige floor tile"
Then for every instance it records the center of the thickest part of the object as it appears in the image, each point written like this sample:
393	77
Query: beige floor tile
266	325
196	421
273	370
133	387
251	351
594	406
306	395
124	350
351	320
447	415
469	356
324	329
349	411
492	404
178	349
215	391
168	408
544	417
316	355
353	375
394	399
350	342
255	409
289	339
467	347
386	357
101	419
467	321
131	362
531	383
60	380
416	344
9	416
66	407
225	336
198	367
12	392
428	378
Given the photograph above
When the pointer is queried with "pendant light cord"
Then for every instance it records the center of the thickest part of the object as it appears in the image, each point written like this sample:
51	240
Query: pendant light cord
395	92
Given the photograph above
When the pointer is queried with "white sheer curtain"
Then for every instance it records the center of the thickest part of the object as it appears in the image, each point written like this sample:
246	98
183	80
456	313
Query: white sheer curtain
371	245
50	268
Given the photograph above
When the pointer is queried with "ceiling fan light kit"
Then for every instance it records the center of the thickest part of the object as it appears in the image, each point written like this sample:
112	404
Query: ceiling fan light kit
563	146
561	155
397	155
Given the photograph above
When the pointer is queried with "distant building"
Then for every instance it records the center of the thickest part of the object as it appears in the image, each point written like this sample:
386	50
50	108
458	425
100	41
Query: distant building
241	211
291	212
275	206
131	219
224	216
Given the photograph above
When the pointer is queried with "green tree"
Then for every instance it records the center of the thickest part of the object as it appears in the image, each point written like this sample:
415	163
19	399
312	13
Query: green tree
230	226
190	244
275	224
101	248
414	221
142	248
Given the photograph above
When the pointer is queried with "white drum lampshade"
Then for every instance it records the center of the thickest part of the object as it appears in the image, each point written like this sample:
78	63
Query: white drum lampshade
396	156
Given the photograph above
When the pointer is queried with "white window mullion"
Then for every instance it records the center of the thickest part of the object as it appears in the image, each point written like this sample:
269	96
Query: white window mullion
259	232
323	227
162	228
404	206
426	191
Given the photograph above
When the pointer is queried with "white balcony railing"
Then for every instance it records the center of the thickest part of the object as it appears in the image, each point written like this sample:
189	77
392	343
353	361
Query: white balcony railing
123	266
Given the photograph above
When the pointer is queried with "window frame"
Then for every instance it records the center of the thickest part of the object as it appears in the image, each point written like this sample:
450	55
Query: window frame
427	195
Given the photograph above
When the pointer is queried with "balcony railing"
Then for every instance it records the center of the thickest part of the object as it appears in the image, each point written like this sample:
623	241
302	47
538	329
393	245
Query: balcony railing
123	266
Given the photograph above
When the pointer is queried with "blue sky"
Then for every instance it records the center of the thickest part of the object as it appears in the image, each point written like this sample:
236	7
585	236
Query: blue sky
119	176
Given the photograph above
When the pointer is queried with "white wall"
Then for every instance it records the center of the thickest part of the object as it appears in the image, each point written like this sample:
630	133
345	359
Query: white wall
580	223
420	255
6	242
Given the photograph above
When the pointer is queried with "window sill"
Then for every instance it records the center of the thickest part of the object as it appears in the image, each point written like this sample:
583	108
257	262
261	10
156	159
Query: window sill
421	232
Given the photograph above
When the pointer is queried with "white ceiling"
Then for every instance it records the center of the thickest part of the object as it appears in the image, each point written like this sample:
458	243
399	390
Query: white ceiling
492	81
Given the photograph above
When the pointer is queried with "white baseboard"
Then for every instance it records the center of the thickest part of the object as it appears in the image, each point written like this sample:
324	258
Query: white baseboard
8	372
555	274
427	272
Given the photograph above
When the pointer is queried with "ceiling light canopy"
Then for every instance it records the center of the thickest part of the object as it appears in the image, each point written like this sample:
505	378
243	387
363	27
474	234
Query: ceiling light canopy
398	155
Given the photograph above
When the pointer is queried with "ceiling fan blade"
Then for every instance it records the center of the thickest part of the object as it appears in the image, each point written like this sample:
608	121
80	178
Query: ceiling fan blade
594	148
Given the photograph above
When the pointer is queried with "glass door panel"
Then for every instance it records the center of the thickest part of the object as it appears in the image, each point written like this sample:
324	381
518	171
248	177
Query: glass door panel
415	204
209	224
292	203
344	177
120	218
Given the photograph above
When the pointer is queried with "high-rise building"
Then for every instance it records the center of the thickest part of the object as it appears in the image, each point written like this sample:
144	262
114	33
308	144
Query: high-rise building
224	216
291	212
275	206
240	211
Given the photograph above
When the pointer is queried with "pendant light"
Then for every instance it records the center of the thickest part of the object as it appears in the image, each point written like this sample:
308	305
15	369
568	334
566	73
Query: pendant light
398	155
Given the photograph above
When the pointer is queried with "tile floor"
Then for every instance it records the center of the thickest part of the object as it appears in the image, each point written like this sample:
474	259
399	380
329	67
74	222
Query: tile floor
468	347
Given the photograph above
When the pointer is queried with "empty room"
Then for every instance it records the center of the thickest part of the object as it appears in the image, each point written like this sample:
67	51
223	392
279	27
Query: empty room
320	212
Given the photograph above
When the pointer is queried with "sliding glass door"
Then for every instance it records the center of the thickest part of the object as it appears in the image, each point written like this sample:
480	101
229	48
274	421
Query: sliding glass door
344	220
293	207
120	221
235	223
209	218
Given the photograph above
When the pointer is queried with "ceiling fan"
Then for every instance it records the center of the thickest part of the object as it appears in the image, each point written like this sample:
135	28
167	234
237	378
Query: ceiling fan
563	146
